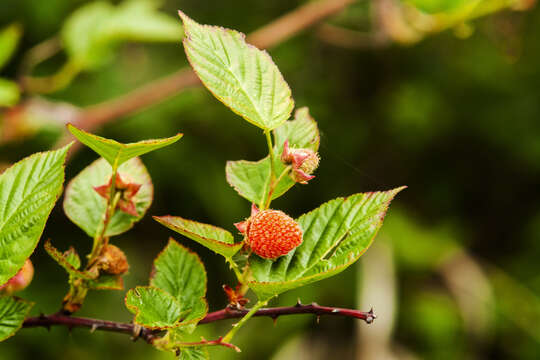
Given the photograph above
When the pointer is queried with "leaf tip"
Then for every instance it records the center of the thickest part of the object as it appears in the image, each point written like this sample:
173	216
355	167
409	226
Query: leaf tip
72	128
68	146
399	189
185	19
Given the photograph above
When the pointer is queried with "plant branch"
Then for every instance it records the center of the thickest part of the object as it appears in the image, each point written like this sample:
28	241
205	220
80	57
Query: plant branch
228	337
93	324
274	313
273	185
228	313
154	92
218	342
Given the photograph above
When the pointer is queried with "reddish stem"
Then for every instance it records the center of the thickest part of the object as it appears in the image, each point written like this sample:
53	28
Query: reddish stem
218	342
227	313
274	313
94	324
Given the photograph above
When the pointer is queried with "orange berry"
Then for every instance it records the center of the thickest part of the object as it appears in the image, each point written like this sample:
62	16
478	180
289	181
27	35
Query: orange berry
272	233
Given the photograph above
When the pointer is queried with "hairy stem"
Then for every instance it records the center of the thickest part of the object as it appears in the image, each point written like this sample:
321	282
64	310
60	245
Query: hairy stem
236	270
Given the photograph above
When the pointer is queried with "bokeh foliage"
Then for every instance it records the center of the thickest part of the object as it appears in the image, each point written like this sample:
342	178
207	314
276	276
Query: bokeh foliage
454	119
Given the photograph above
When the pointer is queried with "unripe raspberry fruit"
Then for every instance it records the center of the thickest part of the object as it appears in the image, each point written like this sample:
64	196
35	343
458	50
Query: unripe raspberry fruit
272	233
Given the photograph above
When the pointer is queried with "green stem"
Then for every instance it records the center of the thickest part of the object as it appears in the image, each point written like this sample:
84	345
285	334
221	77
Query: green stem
273	185
236	270
55	82
271	153
227	338
266	205
109	212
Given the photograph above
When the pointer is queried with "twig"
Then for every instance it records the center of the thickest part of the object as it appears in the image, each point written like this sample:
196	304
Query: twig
94	324
274	313
270	35
228	313
39	53
218	342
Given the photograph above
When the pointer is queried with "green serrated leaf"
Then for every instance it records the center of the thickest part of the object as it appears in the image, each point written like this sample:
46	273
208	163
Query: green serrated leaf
199	353
9	38
117	153
251	179
106	282
28	192
66	261
86	208
181	273
302	132
13	311
9	93
215	238
154	308
92	32
335	235
241	76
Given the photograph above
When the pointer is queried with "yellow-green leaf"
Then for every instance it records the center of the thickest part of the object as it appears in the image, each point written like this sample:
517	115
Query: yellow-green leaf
92	32
154	308
13	311
9	38
86	208
335	235
241	76
28	191
215	238
181	273
9	93
117	153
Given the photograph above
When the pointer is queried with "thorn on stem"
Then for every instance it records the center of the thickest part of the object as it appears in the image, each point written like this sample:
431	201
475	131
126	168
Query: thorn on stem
298	303
137	330
370	316
318	319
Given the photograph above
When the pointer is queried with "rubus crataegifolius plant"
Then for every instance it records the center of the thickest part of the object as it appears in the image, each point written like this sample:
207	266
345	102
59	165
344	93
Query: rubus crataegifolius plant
272	253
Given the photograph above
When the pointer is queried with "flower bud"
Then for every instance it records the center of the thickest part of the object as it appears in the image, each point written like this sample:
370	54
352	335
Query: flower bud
21	280
304	162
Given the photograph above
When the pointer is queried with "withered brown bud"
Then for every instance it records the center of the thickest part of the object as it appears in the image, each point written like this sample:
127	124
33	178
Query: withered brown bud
112	260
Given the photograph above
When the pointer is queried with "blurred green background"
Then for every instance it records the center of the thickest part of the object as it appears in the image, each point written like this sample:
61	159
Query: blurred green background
454	272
